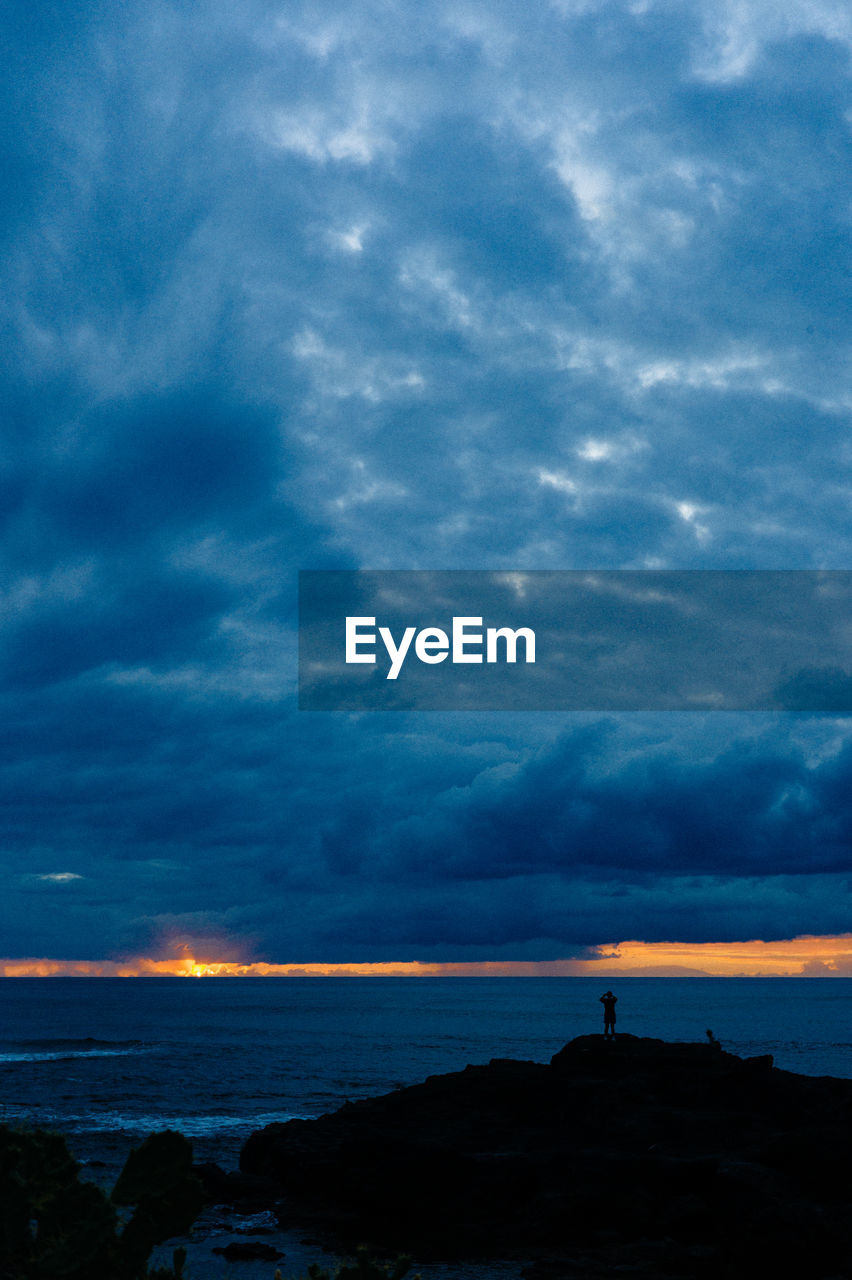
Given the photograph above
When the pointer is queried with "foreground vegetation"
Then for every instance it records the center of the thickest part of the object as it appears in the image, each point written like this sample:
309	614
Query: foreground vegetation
53	1226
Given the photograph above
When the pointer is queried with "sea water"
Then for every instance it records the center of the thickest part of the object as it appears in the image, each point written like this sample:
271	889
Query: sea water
107	1061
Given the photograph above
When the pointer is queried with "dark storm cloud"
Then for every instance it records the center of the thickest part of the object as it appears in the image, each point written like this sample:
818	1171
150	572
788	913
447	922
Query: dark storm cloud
750	810
408	286
161	464
348	842
743	811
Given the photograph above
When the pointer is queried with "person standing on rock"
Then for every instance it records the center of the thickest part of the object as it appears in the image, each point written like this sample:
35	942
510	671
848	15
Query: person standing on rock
609	1001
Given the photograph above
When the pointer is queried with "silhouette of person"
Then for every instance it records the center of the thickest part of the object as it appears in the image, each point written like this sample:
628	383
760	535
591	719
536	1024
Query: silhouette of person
609	1001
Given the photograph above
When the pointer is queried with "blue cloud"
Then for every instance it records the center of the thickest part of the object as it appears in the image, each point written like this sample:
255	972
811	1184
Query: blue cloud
406	286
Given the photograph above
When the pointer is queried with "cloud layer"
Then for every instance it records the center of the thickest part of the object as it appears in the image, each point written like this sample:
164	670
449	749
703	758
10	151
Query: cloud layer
407	286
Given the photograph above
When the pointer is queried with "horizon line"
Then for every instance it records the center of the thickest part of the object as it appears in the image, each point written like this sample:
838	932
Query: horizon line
804	956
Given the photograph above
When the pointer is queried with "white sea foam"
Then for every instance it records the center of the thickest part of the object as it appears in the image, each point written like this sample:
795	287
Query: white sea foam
192	1126
58	1055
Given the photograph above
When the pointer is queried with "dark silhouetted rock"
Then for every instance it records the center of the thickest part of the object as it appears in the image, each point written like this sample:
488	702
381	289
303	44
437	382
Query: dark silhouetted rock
660	1159
240	1191
249	1251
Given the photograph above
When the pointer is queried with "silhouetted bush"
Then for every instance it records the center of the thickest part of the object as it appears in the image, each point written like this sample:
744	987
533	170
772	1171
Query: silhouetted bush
55	1227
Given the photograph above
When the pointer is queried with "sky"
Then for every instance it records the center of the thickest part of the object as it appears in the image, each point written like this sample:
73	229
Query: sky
397	285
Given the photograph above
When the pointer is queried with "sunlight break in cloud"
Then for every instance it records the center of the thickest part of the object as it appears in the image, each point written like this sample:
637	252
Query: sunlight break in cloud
792	957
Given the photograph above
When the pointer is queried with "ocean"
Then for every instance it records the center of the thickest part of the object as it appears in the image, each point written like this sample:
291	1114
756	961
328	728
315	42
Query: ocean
107	1061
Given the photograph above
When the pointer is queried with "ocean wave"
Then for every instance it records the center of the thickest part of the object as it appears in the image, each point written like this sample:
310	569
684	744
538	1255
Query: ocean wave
124	1122
191	1126
56	1050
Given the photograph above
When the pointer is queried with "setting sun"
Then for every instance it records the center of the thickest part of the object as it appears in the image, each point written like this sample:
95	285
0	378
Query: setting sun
805	956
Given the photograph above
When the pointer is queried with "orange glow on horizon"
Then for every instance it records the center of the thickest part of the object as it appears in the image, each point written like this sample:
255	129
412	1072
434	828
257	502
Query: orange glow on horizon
806	956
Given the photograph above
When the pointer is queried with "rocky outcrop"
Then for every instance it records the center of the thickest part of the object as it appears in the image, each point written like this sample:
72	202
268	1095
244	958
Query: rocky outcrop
665	1159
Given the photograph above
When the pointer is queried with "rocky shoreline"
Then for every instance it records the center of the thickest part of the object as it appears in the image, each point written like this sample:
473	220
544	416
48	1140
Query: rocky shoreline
635	1156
